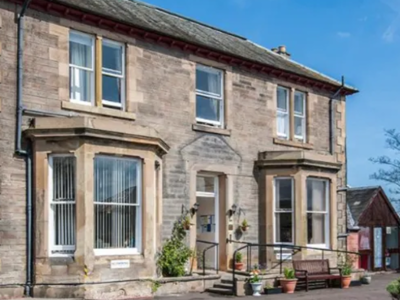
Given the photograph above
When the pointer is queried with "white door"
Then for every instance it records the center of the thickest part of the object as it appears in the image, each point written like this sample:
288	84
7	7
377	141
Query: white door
207	220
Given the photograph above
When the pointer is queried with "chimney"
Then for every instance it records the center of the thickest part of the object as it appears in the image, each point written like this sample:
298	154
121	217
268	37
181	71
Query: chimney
282	51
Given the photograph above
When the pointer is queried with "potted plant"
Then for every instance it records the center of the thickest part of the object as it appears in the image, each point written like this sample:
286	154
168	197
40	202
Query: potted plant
186	223
255	282
271	290
289	282
244	225
346	276
238	261
366	279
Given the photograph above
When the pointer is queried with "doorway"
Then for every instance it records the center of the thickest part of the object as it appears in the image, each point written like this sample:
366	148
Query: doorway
207	219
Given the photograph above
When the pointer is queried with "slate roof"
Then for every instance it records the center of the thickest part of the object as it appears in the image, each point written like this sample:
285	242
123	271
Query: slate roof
358	200
155	19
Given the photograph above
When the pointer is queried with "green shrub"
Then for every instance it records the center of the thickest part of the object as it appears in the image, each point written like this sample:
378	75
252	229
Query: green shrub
394	287
289	273
175	253
346	270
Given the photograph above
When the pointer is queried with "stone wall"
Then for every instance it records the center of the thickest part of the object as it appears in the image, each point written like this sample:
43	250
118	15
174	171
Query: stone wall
161	95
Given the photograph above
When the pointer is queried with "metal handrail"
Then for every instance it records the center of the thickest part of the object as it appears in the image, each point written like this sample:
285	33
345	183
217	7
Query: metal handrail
213	244
248	247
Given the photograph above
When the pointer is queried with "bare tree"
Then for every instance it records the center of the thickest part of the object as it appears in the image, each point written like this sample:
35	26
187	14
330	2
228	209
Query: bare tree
390	171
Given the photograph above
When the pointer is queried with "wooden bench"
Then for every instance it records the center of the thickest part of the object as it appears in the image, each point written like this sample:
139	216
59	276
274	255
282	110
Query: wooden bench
314	270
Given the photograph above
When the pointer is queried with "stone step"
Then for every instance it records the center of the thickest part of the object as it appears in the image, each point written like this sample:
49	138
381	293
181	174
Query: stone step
219	291
227	281
227	286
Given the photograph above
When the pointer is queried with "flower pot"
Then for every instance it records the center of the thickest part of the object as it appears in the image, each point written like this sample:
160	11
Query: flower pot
257	287
186	226
288	285
238	266
346	280
366	279
243	228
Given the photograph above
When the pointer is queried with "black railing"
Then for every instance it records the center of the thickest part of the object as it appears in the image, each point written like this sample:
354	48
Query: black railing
212	245
294	250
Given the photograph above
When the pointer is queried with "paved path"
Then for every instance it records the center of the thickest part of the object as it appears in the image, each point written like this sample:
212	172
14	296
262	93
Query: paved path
375	291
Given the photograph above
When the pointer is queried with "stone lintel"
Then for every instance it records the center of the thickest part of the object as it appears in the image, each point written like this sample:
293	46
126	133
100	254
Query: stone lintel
96	128
298	158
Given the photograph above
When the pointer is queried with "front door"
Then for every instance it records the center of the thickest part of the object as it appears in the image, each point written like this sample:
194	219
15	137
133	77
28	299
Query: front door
207	220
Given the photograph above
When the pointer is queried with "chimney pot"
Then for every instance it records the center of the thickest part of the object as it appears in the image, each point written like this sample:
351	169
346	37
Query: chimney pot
282	49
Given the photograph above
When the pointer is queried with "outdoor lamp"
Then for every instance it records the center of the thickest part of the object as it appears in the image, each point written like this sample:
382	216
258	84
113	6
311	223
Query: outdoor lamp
233	209
195	208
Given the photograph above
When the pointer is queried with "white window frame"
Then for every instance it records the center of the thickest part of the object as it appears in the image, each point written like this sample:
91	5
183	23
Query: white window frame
214	96
275	191
302	116
283	112
139	225
92	70
326	245
111	74
52	246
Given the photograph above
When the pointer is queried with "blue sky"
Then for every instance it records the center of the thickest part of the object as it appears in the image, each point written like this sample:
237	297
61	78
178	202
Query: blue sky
359	39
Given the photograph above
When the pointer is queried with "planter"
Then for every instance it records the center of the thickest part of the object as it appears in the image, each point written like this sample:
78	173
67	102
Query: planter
366	279
288	285
257	287
244	229
239	266
346	280
272	291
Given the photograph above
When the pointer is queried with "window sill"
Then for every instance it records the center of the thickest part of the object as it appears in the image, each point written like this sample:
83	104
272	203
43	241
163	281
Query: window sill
210	129
98	110
295	144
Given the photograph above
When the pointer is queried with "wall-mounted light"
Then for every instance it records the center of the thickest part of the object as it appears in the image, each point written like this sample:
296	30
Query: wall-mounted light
232	210
194	208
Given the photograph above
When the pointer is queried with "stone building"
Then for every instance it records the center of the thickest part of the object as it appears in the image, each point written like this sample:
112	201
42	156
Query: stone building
128	115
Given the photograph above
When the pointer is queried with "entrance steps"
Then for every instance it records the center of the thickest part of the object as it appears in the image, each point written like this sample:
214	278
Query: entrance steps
223	287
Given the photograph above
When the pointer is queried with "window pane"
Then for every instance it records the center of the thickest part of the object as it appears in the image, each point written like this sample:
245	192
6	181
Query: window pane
284	195
112	89
115	226
80	50
299	102
283	227
208	81
316	195
205	184
81	84
298	126
63	200
207	108
282	96
315	228
282	123
112	58
115	180
115	196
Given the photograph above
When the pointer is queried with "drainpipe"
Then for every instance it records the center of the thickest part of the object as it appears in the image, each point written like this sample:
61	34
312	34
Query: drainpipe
24	153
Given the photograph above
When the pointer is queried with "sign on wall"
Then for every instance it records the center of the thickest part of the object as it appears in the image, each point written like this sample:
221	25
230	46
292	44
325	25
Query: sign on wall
120	264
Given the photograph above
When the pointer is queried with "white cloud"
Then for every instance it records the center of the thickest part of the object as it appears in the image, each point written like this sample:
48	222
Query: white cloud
391	30
343	34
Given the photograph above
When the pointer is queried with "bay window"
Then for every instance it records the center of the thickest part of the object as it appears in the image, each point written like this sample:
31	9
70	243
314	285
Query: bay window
81	67
318	212
62	219
117	205
209	96
283	211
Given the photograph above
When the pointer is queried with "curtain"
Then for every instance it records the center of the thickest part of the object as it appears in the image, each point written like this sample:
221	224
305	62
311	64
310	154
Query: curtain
212	81
316	203
282	123
80	57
